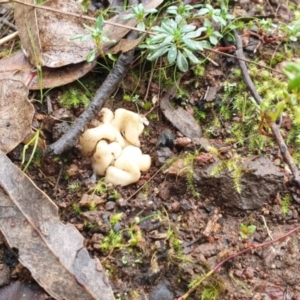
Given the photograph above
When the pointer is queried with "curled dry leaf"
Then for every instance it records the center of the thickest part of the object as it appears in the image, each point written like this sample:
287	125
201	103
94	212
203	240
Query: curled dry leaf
179	117
16	114
16	66
24	291
51	250
46	36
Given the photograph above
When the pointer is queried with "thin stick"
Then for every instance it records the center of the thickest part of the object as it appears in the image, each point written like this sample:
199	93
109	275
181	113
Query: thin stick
8	38
275	130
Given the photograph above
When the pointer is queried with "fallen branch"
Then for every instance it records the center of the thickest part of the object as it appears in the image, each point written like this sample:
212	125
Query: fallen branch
232	256
110	84
275	129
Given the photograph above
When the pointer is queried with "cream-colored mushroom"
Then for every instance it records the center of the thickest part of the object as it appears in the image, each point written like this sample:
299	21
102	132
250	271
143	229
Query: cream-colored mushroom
89	139
127	167
106	115
129	124
105	154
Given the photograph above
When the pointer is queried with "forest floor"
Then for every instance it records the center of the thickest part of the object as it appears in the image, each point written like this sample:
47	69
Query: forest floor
158	236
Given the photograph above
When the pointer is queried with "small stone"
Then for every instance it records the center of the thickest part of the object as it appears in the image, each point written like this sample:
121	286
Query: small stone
121	202
182	142
97	238
165	139
73	170
164	191
238	273
4	275
249	273
162	291
162	155
110	205
175	206
87	200
186	205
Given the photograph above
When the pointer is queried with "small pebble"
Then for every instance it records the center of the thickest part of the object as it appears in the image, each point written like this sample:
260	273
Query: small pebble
110	205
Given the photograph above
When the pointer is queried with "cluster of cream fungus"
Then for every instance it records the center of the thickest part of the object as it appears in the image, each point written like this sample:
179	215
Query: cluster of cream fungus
114	147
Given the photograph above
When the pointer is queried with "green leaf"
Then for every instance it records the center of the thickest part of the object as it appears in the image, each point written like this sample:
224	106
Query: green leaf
194	34
141	26
99	22
251	229
187	28
295	83
172	54
203	11
182	62
91	56
213	40
243	235
158	53
89	28
166	42
151	11
193	45
158	38
129	16
166	27
158	29
79	36
191	56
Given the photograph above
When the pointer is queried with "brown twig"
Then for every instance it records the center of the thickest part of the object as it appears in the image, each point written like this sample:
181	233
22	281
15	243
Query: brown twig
69	139
275	129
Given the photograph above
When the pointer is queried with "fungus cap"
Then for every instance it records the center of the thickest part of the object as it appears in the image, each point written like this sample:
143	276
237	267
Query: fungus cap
127	167
105	155
89	139
129	124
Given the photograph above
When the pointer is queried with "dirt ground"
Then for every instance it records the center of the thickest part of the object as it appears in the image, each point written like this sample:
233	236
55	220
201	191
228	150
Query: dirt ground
168	236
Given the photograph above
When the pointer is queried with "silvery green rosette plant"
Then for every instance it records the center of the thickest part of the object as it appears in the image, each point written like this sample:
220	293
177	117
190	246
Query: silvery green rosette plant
175	40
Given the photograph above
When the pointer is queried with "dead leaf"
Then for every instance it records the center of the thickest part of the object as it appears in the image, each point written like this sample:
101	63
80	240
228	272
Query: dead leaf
47	36
19	290
51	250
17	67
16	114
125	45
180	118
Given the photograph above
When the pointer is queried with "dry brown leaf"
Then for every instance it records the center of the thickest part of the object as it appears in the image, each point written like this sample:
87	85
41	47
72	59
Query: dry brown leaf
24	291
125	45
51	250
16	66
47	36
16	114
180	118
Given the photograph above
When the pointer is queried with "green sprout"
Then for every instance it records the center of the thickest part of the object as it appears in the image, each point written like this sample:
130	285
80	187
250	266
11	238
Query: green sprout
139	13
245	230
98	35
